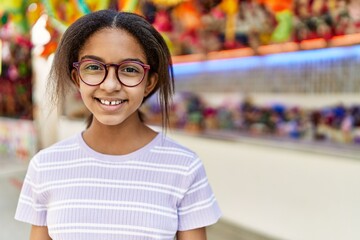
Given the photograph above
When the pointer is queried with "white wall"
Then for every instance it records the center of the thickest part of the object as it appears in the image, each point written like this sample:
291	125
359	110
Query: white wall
46	115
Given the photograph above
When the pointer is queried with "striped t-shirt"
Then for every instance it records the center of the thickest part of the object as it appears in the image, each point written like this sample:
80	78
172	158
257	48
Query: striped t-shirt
152	193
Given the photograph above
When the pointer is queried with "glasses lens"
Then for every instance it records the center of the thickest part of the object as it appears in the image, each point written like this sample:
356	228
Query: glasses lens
92	72
131	73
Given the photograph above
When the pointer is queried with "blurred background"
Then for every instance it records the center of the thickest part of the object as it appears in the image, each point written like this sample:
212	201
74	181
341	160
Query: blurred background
267	93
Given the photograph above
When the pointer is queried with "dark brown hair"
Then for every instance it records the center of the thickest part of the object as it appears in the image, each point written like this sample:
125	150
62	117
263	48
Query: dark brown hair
156	51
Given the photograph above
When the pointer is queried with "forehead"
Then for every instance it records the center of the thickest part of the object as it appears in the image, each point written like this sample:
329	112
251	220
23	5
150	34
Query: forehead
112	45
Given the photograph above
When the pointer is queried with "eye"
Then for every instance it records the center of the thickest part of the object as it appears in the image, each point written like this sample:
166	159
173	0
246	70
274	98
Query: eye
131	68
92	66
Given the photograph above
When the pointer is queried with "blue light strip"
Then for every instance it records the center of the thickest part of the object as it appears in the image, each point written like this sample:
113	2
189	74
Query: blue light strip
244	63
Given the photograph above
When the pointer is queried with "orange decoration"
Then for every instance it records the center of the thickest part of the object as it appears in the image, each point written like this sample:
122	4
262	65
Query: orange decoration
278	6
189	15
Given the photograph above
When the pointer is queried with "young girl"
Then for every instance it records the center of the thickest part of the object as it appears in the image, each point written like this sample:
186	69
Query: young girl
118	179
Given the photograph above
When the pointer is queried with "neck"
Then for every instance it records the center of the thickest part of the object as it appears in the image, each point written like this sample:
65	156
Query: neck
120	139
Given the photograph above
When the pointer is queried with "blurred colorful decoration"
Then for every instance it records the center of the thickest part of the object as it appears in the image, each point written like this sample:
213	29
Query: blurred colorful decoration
162	21
189	15
18	139
168	42
284	16
208	5
33	12
51	46
17	19
231	8
168	3
83	7
278	6
16	76
16	12
196	22
63	13
283	30
128	5
190	19
0	57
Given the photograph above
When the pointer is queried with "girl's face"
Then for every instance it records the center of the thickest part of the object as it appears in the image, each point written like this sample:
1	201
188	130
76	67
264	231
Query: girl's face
111	103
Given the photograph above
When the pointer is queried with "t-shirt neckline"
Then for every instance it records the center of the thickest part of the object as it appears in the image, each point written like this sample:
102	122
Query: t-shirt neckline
108	157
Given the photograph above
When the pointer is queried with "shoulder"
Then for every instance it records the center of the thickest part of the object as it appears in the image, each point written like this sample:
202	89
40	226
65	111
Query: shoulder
174	152
168	143
60	148
68	143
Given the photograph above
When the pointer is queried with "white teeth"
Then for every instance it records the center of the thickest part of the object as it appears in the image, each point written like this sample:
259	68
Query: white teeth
106	102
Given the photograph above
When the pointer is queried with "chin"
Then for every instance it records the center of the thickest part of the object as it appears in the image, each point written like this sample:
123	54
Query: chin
110	122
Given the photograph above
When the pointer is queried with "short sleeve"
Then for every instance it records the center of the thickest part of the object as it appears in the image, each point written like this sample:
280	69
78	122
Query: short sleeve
198	208
31	206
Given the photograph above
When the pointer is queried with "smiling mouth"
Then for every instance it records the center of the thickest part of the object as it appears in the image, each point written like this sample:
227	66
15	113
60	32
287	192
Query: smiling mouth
110	103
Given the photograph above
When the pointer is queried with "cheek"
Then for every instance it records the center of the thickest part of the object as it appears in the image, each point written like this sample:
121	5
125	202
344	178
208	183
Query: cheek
85	89
85	94
138	91
138	94
82	93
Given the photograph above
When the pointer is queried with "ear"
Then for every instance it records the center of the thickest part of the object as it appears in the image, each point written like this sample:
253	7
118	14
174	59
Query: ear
75	77
151	83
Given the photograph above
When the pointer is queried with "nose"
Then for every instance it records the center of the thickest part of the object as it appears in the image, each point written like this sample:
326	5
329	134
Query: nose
111	83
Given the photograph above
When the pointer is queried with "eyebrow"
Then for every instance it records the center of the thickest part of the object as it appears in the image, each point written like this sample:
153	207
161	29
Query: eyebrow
93	57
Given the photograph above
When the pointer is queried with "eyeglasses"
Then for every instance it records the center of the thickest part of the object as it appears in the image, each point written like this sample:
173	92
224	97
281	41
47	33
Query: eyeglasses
128	73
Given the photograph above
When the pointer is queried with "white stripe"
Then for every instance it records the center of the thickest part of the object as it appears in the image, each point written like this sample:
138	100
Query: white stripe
90	160
110	202
48	151
28	180
34	162
174	149
58	147
110	181
159	165
180	172
36	207
210	199
113	205
26	201
117	208
109	186
198	183
172	152
151	187
196	161
67	162
198	208
99	225
64	146
29	199
194	168
198	188
127	233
